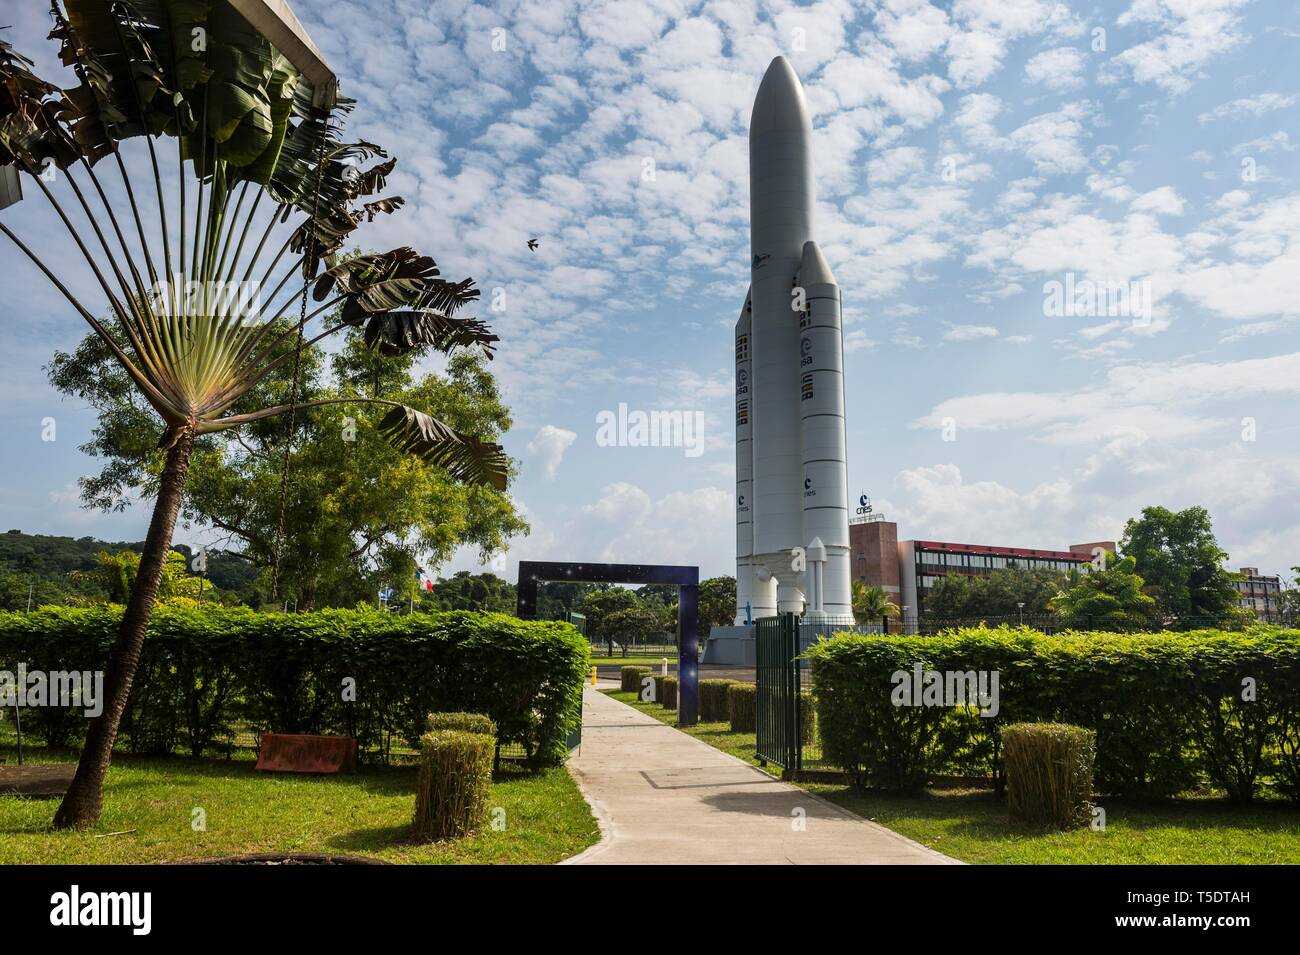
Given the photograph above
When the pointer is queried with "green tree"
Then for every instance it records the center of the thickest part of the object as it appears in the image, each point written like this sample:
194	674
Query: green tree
115	575
997	596
1178	556
358	513
466	591
717	603
639	623
871	605
600	606
20	590
1108	599
247	119
556	599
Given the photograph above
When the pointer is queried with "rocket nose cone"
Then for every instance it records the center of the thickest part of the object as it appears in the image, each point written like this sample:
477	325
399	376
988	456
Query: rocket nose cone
779	104
813	269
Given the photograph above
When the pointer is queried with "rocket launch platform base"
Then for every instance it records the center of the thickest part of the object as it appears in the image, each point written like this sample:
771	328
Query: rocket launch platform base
730	646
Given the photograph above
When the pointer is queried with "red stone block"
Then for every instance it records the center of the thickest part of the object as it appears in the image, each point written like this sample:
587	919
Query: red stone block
300	753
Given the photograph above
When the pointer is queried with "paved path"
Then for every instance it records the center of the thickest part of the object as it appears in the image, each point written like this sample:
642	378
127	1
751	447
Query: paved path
663	797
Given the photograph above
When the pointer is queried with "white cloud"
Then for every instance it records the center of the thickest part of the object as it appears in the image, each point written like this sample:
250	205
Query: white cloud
986	28
894	164
1164	201
682	527
914	28
856	341
969	333
1248	105
1279	141
549	445
1057	69
1189	34
1054	141
1149	399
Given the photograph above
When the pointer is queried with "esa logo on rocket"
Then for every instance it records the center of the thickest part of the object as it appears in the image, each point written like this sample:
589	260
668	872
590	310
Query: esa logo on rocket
791	464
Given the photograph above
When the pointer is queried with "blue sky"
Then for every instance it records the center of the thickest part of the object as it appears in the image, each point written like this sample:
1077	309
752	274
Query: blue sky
969	153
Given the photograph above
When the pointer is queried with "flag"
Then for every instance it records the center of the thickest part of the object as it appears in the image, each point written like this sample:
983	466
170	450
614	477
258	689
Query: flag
425	580
386	594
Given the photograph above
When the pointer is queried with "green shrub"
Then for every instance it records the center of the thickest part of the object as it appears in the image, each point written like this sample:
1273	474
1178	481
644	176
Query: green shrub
632	677
454	783
807	718
713	700
1049	773
465	722
1170	710
661	690
742	707
204	669
666	690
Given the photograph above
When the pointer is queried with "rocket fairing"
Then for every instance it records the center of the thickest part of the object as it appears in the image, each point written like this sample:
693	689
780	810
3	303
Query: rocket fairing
791	460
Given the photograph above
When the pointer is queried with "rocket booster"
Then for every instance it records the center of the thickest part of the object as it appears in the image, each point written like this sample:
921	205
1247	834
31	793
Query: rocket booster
791	461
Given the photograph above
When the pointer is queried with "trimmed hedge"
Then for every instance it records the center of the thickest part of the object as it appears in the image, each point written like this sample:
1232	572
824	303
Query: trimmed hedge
203	671
661	680
713	700
742	711
632	677
1049	773
454	783
465	722
807	719
1169	710
666	691
742	707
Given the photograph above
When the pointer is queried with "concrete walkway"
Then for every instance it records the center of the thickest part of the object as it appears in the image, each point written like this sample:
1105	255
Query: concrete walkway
663	797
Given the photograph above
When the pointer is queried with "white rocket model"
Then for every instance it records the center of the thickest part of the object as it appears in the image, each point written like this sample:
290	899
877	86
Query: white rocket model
792	517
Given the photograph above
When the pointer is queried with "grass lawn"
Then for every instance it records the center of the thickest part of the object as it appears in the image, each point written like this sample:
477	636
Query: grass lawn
546	818
972	825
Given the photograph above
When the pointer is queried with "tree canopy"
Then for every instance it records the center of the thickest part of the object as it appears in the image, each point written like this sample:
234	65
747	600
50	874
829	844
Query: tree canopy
998	596
871	605
717	603
1108	599
359	514
1176	553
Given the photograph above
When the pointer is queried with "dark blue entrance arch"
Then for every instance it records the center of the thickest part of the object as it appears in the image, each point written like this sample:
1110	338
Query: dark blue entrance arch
687	581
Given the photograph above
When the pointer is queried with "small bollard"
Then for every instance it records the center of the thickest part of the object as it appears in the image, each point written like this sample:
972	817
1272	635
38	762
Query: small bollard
593	676
663	667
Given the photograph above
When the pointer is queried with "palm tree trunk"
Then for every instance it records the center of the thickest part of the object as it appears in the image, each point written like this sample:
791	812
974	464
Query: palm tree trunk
81	804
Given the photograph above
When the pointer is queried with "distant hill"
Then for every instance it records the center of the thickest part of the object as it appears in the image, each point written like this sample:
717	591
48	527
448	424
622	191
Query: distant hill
48	556
43	561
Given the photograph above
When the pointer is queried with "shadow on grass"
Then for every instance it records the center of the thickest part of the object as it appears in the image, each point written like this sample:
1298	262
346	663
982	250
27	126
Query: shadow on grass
982	815
373	838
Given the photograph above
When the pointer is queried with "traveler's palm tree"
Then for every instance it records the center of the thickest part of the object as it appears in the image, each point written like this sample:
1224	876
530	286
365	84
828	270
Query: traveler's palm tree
260	193
871	604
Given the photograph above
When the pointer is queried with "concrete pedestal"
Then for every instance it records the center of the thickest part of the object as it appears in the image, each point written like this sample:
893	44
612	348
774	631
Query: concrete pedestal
730	646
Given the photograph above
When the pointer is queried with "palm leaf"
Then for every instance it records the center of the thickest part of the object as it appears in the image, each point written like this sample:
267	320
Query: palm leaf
398	332
387	206
464	457
378	282
29	129
401	278
122	37
90	109
444	296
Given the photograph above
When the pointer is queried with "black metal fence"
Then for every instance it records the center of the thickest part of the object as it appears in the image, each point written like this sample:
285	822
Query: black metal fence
660	644
786	726
777	690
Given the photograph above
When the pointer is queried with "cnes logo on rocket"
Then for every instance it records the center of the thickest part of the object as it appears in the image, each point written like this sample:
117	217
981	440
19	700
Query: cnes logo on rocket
134	909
